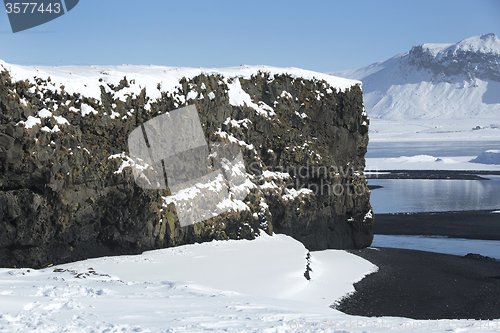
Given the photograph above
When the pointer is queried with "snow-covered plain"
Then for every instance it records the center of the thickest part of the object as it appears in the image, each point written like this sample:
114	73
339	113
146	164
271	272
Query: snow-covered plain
427	162
221	286
235	285
423	130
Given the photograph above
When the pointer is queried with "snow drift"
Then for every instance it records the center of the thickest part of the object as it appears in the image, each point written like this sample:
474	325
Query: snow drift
488	157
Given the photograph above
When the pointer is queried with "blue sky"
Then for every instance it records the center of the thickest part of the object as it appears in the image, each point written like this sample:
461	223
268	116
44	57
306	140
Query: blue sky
317	35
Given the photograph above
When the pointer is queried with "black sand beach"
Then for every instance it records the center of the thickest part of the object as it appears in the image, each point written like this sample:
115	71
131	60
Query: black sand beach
431	174
467	224
426	285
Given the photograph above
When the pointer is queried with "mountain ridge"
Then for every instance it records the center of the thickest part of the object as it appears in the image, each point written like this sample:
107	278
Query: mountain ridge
458	80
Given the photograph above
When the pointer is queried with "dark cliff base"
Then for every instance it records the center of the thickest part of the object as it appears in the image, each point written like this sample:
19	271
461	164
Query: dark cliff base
426	285
469	224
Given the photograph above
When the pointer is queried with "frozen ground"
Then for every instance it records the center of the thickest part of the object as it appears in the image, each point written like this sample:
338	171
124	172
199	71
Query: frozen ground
427	162
222	286
434	145
435	129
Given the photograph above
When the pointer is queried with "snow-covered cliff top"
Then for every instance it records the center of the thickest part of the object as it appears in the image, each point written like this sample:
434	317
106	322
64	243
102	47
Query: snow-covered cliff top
87	80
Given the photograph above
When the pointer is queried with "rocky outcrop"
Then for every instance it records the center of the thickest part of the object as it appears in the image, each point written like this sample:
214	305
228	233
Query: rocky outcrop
67	191
474	57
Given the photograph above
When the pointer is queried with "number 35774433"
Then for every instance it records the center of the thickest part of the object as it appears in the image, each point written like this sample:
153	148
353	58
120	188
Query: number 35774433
32	8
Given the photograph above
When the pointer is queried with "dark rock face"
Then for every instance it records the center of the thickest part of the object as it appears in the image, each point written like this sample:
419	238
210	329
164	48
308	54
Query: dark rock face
66	193
457	60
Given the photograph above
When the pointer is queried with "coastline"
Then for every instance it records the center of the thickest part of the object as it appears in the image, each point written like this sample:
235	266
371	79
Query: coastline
480	224
427	285
432	174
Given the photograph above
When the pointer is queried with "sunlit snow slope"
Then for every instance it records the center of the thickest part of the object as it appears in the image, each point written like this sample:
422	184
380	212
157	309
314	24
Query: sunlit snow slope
235	286
435	81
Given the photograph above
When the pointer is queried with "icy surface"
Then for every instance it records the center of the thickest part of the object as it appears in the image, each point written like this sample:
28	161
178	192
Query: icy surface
456	246
427	162
445	129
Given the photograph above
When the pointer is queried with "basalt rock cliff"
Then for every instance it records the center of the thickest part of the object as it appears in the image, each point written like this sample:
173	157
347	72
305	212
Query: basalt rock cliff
67	191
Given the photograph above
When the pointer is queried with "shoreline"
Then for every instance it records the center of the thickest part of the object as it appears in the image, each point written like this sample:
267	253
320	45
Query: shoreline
432	174
428	285
475	224
425	285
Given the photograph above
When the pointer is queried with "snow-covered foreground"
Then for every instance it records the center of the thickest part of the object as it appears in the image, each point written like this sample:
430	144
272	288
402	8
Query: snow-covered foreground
238	285
235	286
268	266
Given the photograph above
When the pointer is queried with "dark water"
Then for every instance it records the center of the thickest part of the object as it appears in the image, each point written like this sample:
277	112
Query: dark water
420	195
427	195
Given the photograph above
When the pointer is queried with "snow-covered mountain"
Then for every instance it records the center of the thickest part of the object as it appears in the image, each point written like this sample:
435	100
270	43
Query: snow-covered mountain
435	81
